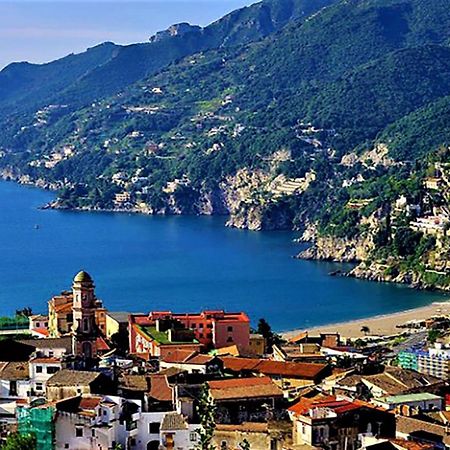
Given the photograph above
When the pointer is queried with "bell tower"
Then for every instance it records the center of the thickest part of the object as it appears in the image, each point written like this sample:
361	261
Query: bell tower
84	329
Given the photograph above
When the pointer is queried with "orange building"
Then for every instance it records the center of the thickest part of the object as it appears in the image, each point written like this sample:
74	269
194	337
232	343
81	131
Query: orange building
60	314
209	328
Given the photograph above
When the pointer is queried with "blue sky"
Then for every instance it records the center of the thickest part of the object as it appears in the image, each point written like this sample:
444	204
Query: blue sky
42	30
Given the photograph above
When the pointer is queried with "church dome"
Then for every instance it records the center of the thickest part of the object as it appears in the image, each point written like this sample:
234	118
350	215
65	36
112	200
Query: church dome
82	277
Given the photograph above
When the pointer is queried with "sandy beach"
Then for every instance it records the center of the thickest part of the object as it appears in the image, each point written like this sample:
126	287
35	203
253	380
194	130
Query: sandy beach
379	325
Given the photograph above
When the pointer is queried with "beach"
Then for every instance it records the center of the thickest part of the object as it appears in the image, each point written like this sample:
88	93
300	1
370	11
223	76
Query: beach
384	325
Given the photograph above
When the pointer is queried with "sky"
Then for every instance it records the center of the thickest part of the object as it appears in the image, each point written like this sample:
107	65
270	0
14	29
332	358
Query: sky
42	30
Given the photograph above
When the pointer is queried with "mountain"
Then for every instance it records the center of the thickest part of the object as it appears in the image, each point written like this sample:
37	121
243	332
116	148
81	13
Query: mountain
104	70
331	124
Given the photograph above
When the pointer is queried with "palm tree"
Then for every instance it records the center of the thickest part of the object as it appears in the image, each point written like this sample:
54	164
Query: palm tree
365	329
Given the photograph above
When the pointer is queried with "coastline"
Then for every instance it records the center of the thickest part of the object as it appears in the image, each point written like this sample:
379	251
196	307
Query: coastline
381	325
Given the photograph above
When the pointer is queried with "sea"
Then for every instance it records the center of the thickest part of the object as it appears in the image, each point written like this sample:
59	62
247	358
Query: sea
182	264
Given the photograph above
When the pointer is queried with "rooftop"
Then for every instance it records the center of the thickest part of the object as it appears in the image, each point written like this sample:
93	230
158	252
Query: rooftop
67	377
422	396
14	371
244	388
267	367
331	403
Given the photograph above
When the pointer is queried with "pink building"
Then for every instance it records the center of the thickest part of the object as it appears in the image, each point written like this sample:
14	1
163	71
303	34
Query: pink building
210	328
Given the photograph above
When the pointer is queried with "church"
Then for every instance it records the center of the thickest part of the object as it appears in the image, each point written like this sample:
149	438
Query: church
79	314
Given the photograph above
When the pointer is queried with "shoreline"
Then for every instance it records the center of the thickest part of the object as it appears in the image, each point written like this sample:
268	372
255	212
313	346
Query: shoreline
380	325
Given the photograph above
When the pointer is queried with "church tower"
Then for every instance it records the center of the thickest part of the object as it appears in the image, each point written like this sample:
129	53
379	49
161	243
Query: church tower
84	329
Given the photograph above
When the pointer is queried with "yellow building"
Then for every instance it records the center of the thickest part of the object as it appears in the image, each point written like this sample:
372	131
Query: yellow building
116	321
257	345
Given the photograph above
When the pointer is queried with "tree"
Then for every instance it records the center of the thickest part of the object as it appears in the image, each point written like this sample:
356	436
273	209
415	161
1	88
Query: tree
365	329
206	410
120	341
17	441
265	330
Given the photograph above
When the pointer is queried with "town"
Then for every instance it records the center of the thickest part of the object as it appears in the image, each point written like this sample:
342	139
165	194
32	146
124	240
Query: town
82	377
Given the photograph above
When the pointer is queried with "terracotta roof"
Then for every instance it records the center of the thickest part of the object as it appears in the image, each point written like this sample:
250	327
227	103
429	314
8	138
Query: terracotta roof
268	367
338	406
159	388
299	337
173	421
42	331
244	388
232	350
90	402
411	445
66	307
101	344
200	359
178	356
13	371
68	377
43	360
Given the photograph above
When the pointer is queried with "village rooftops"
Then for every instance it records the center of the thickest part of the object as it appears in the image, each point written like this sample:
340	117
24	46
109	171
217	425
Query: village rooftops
396	381
244	388
50	343
181	356
204	315
305	371
173	421
14	371
67	377
308	406
160	389
406	398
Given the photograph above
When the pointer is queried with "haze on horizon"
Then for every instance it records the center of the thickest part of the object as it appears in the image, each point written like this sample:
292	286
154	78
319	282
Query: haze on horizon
40	31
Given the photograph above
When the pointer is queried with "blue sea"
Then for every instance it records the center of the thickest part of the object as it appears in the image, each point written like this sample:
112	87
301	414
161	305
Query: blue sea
142	263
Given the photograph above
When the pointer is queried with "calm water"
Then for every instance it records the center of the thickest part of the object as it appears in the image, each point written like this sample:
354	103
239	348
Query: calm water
142	263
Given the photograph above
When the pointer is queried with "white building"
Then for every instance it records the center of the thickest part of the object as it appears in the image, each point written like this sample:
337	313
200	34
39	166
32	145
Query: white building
41	369
14	387
177	433
96	422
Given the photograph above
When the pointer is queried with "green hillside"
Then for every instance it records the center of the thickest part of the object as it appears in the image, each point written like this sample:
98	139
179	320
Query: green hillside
330	121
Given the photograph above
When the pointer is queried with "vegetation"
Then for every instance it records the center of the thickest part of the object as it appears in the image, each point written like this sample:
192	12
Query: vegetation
17	441
204	106
206	411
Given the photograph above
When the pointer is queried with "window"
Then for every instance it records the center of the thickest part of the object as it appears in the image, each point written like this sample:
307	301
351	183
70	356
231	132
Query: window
200	335
38	369
50	354
193	436
200	325
210	325
223	445
133	442
154	427
209	335
93	433
230	329
229	339
66	445
79	432
13	388
39	386
52	369
193	325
